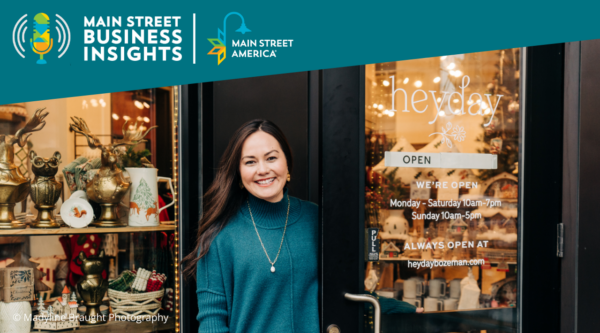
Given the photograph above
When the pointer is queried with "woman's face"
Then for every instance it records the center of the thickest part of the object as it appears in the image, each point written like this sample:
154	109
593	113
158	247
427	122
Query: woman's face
263	167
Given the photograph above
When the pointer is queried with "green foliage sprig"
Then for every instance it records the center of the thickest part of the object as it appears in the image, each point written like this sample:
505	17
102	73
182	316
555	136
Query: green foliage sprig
132	159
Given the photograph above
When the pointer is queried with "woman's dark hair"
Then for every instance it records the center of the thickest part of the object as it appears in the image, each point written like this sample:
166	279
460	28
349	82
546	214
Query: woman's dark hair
224	196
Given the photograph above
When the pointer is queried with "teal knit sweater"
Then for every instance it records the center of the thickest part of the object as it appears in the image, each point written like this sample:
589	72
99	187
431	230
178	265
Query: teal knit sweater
237	291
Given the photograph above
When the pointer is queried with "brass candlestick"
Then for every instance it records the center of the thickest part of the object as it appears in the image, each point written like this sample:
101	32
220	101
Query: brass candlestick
13	186
92	287
45	190
109	185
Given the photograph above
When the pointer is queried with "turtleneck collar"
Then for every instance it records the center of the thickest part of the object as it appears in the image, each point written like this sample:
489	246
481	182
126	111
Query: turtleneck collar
271	215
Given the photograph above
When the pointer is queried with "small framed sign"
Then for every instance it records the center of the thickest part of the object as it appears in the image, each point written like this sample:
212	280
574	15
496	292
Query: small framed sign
372	244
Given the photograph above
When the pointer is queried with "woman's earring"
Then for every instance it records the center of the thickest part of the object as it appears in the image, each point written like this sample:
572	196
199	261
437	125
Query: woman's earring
288	178
241	185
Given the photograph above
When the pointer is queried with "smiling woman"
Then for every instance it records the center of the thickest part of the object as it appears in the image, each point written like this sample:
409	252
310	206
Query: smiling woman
255	260
263	167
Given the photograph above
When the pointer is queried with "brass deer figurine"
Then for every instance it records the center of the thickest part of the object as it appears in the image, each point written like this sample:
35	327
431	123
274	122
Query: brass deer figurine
109	185
13	186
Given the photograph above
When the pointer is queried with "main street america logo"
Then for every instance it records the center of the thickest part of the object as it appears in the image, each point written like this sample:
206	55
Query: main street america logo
220	43
245	48
40	42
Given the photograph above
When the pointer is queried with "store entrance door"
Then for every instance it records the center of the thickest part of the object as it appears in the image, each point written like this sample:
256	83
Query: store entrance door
430	202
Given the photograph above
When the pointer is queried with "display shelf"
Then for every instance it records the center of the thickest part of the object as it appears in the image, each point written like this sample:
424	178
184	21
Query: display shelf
12	240
468	310
89	230
124	326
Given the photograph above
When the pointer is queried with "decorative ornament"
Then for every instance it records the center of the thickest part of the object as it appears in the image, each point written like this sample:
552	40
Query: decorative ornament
495	146
457	133
93	287
47	264
513	107
61	315
45	190
168	301
109	185
502	264
146	163
77	212
13	186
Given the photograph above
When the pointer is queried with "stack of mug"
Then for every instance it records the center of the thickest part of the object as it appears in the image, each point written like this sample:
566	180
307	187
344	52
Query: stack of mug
432	297
414	290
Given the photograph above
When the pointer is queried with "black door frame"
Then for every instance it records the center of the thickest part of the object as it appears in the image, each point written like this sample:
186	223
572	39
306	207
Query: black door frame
190	183
581	183
342	202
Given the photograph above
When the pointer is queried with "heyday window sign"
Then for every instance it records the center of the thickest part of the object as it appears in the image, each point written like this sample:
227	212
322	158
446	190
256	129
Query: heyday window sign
439	105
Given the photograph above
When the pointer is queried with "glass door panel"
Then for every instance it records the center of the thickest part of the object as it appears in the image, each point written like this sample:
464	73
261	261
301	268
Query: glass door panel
441	197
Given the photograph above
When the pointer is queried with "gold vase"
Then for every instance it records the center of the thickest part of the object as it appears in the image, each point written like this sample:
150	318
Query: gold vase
45	190
109	185
92	287
13	186
108	188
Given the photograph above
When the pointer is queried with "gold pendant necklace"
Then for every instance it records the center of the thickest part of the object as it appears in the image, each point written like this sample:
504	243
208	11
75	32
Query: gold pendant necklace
261	242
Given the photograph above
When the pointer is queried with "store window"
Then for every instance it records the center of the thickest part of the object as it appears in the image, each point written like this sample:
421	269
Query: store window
442	169
88	212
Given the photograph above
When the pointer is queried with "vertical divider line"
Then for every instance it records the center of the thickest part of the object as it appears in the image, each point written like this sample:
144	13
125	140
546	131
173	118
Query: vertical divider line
194	38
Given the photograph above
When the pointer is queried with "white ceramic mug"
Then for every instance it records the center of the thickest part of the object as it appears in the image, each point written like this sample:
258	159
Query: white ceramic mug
450	304
433	304
455	288
412	288
143	197
423	290
414	301
437	287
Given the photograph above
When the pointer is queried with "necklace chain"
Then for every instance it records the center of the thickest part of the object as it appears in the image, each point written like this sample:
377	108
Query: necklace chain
261	242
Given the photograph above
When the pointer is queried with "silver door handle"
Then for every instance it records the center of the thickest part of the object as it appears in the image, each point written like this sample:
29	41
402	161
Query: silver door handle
373	301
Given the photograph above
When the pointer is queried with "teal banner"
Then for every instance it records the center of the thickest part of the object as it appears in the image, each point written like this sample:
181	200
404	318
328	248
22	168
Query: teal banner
55	49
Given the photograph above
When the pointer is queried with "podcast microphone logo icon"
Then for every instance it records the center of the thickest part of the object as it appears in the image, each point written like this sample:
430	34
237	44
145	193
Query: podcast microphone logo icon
42	43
